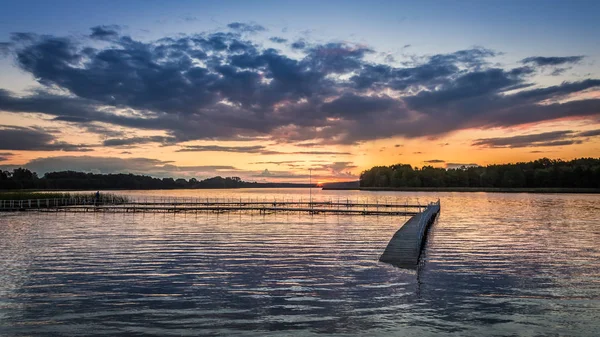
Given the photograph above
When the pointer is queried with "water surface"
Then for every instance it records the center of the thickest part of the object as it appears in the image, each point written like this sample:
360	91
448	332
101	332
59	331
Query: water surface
495	264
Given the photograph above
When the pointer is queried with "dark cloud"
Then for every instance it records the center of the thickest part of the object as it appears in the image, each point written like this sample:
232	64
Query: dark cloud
222	86
434	161
277	39
552	61
126	152
138	140
218	148
473	84
251	149
246	27
590	133
559	71
298	44
105	32
34	139
356	107
101	130
545	139
308	144
398	145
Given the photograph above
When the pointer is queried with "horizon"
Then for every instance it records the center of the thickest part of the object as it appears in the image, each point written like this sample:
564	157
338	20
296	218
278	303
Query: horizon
267	91
317	183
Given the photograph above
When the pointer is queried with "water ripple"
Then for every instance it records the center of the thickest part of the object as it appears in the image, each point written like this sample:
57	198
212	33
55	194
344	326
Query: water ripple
502	264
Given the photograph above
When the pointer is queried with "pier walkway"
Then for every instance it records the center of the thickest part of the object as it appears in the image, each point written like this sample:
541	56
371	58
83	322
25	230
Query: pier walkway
182	205
404	249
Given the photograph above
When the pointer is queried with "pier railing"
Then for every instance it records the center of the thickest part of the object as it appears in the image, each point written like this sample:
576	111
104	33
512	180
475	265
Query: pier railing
189	204
425	217
25	204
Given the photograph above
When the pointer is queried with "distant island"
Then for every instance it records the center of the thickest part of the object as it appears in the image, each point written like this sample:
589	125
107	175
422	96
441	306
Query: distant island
21	178
544	175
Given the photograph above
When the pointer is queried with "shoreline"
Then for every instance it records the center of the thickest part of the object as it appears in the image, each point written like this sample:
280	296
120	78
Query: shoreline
470	189
142	189
369	189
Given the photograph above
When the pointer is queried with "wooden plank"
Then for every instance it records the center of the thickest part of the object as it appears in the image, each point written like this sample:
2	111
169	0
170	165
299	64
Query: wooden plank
404	249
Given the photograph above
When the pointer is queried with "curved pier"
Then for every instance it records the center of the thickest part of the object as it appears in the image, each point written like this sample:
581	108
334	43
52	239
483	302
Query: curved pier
404	249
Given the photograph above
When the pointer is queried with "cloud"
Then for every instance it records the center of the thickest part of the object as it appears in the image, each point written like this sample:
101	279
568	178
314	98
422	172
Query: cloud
301	178
559	71
545	139
218	148
590	133
459	165
105	32
277	39
153	167
317	153
4	156
159	168
298	44
279	162
339	169
5	48
246	27
34	139
224	86
252	149
434	161
552	61
138	140
283	175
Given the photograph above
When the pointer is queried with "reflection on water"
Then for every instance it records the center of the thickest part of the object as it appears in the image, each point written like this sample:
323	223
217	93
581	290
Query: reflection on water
504	264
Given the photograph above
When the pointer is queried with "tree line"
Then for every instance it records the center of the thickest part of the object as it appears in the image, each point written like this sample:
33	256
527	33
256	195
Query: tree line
577	173
21	178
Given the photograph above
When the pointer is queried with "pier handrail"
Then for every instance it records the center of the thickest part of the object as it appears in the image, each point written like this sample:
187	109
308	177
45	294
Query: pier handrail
425	216
189	204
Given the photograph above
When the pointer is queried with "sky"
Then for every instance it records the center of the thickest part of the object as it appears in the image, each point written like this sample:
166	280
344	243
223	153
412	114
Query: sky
281	90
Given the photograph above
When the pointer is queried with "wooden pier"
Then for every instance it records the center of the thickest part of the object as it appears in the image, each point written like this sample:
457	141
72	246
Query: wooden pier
404	249
191	205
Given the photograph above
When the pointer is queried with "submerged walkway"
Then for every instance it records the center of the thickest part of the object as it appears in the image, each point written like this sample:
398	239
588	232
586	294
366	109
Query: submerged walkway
189	205
404	249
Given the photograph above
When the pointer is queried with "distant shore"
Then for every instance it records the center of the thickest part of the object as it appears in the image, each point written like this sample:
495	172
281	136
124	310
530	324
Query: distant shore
148	189
468	189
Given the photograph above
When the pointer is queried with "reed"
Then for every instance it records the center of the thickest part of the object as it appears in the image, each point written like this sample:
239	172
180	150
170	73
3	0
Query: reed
91	197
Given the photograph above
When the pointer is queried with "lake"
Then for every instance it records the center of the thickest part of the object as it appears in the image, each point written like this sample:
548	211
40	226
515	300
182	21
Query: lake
494	264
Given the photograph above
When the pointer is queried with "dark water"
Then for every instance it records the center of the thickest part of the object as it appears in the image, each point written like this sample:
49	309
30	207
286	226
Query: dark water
495	264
